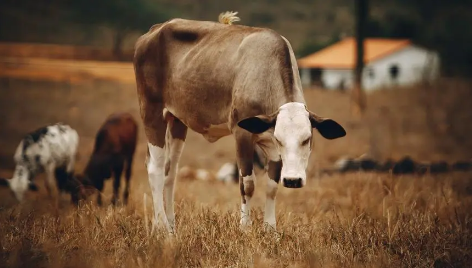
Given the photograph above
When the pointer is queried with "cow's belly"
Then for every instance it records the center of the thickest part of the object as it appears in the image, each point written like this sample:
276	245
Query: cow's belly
212	127
210	132
216	132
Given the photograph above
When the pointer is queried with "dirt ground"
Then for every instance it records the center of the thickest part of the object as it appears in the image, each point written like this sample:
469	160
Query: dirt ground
354	220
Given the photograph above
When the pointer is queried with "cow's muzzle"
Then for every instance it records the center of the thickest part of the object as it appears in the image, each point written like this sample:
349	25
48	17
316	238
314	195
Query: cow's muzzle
292	182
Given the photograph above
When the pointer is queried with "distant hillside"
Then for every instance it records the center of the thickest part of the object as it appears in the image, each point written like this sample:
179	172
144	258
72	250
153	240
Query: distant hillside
307	21
308	24
302	22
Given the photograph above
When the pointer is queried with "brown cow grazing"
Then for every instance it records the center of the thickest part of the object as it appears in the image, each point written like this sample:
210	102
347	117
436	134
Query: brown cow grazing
220	79
114	148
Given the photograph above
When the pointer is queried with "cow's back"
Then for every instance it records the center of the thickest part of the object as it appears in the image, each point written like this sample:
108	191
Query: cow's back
182	58
118	134
54	143
202	70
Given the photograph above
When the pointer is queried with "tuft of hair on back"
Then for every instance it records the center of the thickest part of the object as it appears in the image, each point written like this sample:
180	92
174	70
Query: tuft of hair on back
228	17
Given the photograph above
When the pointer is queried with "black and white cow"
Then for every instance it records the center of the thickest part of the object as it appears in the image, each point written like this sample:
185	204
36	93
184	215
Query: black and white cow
50	149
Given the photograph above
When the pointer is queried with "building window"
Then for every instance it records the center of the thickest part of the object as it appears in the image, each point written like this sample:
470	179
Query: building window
342	85
370	73
394	71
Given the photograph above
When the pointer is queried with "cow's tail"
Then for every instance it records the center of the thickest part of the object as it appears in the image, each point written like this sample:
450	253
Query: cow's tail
228	17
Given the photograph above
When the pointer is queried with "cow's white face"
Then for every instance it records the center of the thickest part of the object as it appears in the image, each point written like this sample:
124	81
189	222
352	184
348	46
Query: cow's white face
292	137
19	183
293	125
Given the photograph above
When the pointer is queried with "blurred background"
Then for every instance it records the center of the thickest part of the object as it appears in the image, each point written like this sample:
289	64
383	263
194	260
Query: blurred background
409	94
70	61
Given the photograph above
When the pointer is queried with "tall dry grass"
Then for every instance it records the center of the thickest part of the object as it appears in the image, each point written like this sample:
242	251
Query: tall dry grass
359	220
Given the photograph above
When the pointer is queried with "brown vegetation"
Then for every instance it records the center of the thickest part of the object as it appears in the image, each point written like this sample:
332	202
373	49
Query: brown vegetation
346	220
70	71
53	51
351	221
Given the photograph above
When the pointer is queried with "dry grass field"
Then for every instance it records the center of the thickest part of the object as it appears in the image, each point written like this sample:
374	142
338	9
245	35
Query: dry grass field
345	221
351	220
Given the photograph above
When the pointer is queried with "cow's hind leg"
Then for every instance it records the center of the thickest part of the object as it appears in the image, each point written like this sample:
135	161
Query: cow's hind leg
71	164
118	165
155	168
73	186
245	154
155	129
61	179
175	140
99	186
65	183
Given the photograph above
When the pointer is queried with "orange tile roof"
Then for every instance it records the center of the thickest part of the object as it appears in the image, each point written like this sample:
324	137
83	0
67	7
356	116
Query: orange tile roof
341	55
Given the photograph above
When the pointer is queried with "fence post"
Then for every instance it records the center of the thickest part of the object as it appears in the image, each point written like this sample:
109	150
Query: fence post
358	99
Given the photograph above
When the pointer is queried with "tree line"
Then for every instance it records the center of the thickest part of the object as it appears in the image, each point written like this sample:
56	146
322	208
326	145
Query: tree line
439	25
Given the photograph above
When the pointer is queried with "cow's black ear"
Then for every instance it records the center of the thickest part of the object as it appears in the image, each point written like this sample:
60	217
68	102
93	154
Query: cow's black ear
258	124
32	187
328	128
4	182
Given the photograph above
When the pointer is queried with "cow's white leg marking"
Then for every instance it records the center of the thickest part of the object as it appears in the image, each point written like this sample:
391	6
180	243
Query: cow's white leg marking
155	169
269	212
174	148
248	184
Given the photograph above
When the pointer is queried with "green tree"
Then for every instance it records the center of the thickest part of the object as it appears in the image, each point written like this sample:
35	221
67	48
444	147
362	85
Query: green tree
392	25
311	46
438	25
123	16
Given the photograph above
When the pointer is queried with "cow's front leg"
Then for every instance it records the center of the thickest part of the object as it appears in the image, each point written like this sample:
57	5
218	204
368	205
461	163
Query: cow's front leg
274	169
129	166
245	153
51	186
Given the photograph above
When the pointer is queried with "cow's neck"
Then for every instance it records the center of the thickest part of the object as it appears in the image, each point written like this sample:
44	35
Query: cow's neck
290	95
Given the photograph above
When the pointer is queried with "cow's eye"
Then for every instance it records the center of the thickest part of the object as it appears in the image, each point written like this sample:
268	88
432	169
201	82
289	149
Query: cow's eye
305	142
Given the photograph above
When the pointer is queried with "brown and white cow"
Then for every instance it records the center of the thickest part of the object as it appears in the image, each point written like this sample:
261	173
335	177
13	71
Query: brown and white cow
219	79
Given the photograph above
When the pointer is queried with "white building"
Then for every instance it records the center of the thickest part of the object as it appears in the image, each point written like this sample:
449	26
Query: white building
388	62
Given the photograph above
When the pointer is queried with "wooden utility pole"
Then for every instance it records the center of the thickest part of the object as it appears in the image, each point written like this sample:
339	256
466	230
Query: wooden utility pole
358	99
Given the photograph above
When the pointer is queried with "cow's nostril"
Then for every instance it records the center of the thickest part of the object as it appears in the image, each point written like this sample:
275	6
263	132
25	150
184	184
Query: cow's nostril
292	182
